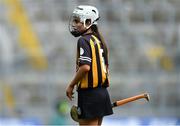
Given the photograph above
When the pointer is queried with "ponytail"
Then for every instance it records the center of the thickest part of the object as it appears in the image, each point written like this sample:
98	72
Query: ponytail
100	37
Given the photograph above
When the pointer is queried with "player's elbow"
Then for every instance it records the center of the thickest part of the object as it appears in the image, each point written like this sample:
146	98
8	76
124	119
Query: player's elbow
85	68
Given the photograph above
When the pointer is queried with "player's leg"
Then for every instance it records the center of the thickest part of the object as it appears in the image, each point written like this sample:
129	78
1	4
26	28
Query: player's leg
89	122
100	121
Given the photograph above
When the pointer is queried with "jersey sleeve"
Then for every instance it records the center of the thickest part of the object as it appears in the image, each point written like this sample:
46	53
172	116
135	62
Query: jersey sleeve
84	52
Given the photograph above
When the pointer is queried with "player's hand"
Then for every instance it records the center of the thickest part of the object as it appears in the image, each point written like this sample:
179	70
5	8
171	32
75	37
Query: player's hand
69	92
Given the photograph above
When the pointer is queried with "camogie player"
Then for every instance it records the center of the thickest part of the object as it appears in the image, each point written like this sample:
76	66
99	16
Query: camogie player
91	77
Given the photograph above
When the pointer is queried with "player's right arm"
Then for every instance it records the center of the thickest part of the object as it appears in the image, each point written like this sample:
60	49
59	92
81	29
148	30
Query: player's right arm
84	66
78	76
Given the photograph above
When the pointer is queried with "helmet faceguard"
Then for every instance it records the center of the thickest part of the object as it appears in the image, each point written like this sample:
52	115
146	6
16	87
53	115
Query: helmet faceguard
81	14
74	19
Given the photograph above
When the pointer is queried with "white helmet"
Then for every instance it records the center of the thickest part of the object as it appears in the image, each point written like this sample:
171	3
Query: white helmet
83	12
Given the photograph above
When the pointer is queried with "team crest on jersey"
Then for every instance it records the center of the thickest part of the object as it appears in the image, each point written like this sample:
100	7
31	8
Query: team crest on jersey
81	51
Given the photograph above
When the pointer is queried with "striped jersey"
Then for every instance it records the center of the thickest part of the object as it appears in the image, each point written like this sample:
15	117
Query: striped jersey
90	51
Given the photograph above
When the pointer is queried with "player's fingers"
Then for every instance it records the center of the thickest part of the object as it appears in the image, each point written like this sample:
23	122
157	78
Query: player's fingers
67	94
70	97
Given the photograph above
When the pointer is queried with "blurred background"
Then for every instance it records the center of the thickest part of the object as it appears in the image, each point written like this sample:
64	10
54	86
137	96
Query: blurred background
37	60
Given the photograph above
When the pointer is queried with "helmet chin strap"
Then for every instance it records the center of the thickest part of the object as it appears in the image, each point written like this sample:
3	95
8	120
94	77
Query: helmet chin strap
87	27
85	31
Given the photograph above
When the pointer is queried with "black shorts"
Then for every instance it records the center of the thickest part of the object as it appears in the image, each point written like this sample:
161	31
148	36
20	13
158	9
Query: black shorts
94	103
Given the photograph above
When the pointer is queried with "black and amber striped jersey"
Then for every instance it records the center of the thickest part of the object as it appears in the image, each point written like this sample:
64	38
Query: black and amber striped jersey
90	51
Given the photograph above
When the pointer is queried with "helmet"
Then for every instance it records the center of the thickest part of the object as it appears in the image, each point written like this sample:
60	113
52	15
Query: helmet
82	13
